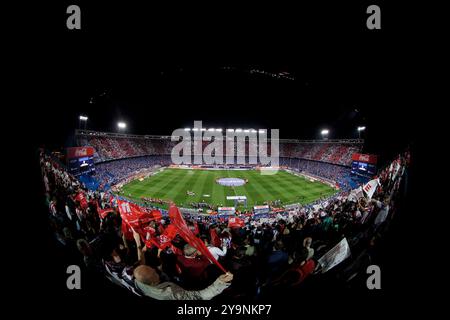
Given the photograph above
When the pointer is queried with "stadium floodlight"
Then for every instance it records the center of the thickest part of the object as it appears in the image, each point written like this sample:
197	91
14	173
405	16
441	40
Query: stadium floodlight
238	130
230	130
324	132
203	129
253	131
83	118
187	129
194	129
211	129
218	130
362	128
121	125
261	130
247	130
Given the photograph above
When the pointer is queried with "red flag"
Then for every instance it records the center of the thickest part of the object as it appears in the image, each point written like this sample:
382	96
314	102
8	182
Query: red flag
235	222
127	231
156	214
215	240
164	240
134	215
103	212
178	221
81	198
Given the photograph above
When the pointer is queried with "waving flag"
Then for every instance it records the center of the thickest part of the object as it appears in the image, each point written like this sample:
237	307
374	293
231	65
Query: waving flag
215	240
370	187
103	212
235	222
135	215
162	241
183	230
356	194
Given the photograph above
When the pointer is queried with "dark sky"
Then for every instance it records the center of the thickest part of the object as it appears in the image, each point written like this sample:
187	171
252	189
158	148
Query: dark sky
161	68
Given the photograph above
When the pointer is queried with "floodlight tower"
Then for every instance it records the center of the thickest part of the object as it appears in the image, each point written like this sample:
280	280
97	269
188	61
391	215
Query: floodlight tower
82	120
361	128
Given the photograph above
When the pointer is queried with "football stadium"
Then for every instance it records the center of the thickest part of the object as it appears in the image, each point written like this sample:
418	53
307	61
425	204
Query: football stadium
195	162
253	226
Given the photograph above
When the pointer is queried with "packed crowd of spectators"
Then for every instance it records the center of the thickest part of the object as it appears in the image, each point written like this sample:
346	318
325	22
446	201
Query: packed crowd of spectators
113	171
109	148
338	174
264	257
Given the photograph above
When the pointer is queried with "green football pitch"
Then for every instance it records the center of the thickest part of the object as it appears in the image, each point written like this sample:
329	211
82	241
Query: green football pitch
173	184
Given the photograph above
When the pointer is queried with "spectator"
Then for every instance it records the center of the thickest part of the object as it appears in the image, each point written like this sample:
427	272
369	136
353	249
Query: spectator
192	266
307	245
216	252
148	281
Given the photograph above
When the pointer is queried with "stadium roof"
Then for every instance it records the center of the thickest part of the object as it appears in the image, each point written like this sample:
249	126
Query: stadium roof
92	133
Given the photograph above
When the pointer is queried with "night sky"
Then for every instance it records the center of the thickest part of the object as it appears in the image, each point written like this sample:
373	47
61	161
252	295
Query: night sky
160	68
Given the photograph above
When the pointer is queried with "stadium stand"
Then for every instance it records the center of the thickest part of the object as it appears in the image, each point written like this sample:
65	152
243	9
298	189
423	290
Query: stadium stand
328	159
266	255
110	146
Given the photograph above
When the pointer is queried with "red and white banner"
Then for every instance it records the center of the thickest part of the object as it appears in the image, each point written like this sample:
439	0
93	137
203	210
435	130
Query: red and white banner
135	215
369	158
164	240
370	187
80	152
81	199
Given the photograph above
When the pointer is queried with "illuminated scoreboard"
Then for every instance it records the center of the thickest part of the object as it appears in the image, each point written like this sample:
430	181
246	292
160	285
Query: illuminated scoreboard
80	160
364	164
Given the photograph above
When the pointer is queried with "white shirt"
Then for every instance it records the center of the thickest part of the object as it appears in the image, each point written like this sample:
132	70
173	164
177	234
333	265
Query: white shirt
216	252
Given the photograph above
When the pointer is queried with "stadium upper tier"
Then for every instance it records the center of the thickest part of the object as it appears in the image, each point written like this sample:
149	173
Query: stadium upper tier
112	146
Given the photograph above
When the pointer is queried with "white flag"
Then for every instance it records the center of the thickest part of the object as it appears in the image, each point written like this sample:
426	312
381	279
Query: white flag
370	187
355	194
336	255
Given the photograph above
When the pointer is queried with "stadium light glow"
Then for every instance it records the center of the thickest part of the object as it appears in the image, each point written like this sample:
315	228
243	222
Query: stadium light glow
187	129
218	130
203	129
361	128
194	129
230	130
238	130
246	130
324	132
253	131
83	118
211	129
262	130
121	125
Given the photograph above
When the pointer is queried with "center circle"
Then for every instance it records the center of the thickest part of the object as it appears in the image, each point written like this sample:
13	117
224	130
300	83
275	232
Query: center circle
231	182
